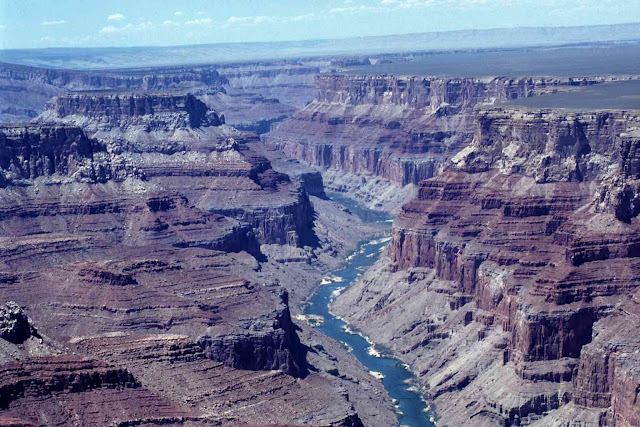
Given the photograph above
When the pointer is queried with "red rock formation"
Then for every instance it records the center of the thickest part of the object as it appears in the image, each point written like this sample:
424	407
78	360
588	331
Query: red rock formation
163	137
528	249
145	265
403	129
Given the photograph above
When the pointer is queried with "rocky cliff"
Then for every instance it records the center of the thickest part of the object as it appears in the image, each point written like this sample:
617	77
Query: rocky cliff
135	223
253	95
289	82
402	129
154	111
142	79
514	271
25	90
271	344
421	92
32	151
167	136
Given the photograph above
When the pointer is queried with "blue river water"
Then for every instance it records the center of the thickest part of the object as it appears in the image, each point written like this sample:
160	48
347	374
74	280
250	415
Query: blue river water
399	382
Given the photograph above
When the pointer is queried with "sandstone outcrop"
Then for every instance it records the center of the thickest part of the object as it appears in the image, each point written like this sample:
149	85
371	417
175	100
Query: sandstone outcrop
509	277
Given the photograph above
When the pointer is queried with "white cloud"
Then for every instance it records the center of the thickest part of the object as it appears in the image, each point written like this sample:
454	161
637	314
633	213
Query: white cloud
200	21
303	17
115	17
254	20
414	3
110	29
169	23
2	27
129	28
248	19
353	9
59	22
393	5
178	13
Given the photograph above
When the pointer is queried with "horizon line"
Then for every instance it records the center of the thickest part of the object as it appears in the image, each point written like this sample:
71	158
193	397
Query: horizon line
314	39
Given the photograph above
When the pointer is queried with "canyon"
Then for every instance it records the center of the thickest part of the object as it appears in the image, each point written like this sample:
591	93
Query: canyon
154	247
162	228
509	276
396	131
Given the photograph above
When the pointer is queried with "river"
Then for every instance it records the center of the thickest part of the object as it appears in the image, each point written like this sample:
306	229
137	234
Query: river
399	382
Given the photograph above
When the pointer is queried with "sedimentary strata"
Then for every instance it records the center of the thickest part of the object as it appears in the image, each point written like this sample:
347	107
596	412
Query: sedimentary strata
167	136
25	90
401	129
131	232
510	276
253	95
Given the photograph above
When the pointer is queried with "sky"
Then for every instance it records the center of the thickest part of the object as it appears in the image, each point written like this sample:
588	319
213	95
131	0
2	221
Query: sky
106	23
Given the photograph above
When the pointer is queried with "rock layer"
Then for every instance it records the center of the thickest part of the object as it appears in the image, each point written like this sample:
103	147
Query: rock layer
132	238
403	129
178	136
508	274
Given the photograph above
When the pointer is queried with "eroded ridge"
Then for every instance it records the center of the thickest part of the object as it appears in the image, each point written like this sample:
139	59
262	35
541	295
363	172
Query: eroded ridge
131	230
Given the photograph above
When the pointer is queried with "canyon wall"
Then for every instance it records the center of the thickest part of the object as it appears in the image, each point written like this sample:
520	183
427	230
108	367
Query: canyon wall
142	79
29	152
179	136
402	129
131	233
129	109
253	95
509	277
24	90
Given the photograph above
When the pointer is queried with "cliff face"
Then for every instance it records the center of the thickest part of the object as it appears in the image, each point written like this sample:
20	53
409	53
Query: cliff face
25	90
523	258
547	146
403	129
421	92
290	83
29	152
178	136
252	95
271	344
154	111
161	79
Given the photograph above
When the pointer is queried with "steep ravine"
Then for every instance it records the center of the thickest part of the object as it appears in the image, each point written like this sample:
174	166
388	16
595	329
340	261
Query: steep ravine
511	282
410	407
151	298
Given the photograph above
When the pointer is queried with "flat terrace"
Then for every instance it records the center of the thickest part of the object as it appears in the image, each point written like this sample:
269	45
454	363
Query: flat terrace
617	95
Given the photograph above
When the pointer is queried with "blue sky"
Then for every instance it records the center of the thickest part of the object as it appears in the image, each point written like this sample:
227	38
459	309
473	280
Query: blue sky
93	23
